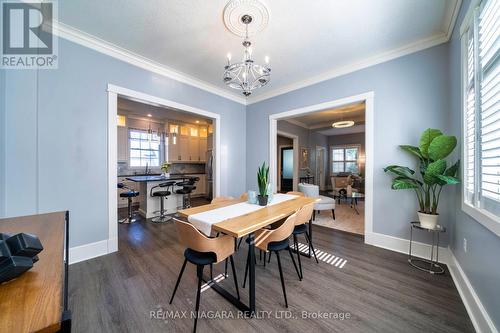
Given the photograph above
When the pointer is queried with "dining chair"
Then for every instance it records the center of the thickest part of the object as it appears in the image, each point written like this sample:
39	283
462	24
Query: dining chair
200	251
304	216
221	199
244	196
275	240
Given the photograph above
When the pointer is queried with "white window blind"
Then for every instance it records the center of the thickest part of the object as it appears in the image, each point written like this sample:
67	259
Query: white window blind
482	109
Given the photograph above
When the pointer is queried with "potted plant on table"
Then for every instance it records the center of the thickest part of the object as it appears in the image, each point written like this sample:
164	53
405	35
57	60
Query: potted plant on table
433	148
263	181
165	166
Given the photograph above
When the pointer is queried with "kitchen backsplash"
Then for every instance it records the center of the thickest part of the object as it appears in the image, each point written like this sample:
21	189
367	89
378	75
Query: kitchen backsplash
124	170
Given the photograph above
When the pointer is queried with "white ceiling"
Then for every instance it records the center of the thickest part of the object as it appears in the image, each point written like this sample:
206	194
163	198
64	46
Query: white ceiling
133	108
307	41
321	121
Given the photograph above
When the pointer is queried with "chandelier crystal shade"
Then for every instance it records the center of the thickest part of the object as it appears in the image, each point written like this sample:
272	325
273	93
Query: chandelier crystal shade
246	75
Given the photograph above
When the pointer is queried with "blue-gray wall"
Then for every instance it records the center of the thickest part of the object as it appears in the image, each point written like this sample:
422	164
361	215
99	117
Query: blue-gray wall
56	136
411	94
480	263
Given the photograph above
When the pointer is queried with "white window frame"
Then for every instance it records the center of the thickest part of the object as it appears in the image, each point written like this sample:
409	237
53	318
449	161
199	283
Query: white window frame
347	146
150	167
484	217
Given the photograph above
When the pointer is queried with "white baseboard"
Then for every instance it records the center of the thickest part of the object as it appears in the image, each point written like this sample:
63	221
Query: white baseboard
401	245
477	313
92	250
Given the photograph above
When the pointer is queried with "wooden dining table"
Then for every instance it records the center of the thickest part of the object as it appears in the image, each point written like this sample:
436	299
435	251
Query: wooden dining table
247	225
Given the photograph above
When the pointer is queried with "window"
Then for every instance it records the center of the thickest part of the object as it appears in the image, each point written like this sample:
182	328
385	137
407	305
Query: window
345	159
481	107
144	148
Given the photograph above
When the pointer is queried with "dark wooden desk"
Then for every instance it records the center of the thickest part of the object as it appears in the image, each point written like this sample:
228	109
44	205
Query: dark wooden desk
37	301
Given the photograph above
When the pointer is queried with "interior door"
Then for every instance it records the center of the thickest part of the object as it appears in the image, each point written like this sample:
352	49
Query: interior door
320	168
286	168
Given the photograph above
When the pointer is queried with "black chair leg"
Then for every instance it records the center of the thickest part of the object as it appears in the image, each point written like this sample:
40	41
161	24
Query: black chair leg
269	260
178	280
234	276
199	271
281	277
239	242
333	213
225	268
298	255
314	215
265	258
211	272
311	246
246	270
294	264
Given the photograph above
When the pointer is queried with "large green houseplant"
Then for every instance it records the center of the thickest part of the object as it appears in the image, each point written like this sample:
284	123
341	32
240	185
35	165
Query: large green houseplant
263	181
431	153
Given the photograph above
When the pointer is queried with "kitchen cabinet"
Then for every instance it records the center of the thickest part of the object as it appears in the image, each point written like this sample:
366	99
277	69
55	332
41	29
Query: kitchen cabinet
122	143
194	149
203	149
183	152
191	143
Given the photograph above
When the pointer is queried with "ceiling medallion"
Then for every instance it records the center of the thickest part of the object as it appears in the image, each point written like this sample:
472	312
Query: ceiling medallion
236	9
343	124
246	75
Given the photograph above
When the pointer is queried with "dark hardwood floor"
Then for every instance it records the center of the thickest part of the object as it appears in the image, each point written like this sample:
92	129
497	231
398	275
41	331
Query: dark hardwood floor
375	290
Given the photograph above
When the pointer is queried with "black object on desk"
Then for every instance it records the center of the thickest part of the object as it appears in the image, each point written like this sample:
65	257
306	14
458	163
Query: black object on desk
433	265
18	253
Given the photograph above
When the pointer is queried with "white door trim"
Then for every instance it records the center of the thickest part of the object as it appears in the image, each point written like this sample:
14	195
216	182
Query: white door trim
368	98
113	93
296	167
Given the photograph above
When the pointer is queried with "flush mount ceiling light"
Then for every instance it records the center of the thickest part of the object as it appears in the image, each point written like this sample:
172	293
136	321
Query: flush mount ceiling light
245	18
343	124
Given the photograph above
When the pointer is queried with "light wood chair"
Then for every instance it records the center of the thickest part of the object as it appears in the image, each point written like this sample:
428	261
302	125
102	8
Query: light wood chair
221	199
244	196
275	240
304	217
202	250
300	194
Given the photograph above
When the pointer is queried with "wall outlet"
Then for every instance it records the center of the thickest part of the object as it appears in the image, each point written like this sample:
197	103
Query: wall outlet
465	245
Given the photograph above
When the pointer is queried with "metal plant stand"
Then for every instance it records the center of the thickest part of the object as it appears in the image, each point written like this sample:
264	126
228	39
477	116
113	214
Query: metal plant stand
427	265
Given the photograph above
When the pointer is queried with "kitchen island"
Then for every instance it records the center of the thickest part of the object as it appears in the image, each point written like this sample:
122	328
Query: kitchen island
150	206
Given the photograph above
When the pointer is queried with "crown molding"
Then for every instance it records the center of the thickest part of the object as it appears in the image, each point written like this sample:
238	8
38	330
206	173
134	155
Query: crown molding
82	38
77	36
371	61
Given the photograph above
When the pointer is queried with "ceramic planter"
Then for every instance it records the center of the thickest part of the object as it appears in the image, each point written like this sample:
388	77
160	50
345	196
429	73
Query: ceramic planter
428	221
262	200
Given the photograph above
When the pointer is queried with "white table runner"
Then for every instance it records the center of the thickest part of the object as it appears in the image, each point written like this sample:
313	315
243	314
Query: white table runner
203	221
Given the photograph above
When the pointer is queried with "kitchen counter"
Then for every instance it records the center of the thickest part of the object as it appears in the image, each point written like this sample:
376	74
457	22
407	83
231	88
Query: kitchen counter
157	178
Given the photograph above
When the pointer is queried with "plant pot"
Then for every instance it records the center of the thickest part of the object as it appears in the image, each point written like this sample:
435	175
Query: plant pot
428	221
262	200
166	174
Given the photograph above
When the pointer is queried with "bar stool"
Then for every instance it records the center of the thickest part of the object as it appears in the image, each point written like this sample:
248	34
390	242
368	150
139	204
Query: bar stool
188	186
129	195
162	194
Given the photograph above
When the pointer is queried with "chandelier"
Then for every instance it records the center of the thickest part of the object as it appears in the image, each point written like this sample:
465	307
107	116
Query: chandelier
246	75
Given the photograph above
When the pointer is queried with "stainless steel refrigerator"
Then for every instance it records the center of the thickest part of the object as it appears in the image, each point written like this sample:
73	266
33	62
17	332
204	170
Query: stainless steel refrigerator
209	171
